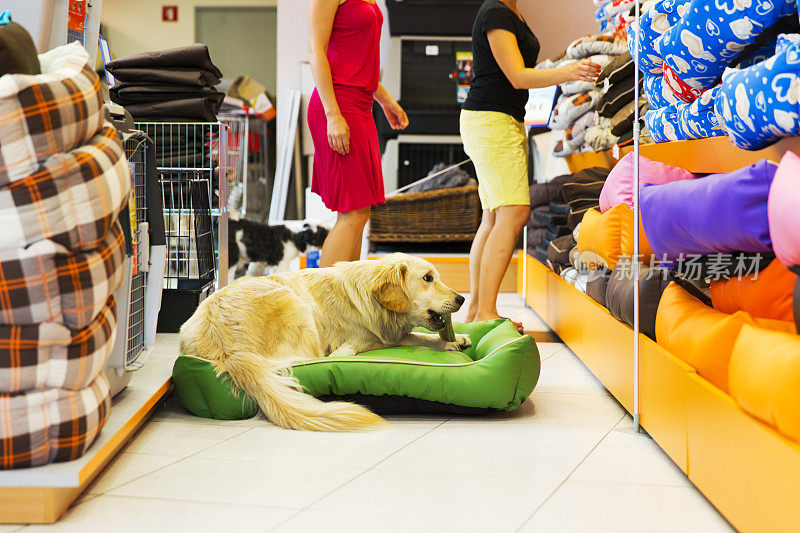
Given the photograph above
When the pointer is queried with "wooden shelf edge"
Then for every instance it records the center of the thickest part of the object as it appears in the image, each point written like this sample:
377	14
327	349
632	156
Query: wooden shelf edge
45	505
701	156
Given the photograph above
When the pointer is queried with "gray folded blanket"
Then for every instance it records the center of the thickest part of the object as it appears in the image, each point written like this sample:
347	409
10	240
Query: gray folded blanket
447	180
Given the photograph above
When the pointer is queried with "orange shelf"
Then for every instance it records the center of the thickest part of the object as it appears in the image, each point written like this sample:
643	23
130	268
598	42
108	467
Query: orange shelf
750	472
702	156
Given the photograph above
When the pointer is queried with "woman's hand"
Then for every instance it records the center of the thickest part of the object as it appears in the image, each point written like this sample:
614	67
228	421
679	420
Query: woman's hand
583	70
338	134
397	118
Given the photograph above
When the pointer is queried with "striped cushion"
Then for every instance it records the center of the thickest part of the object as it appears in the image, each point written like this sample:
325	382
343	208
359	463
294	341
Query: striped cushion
53	112
73	199
45	282
49	355
51	425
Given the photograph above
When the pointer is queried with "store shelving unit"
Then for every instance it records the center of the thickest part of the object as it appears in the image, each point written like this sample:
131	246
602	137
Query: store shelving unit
749	471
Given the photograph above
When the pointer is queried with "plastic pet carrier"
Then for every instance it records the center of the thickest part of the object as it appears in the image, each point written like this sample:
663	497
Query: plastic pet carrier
139	296
432	17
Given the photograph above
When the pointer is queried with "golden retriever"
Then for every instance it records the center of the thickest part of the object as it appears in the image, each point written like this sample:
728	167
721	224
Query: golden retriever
255	328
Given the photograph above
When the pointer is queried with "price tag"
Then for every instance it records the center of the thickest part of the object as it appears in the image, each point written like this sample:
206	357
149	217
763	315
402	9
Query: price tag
606	85
431	49
615	151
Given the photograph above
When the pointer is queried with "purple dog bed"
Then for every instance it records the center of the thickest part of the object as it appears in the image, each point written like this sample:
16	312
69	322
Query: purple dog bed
720	213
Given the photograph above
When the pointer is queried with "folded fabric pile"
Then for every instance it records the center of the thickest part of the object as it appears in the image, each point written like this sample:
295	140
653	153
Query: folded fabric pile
64	180
575	111
558	207
732	75
175	85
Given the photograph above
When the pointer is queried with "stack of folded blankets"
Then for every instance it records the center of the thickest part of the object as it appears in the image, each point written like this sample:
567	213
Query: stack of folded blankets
558	207
64	180
706	78
176	85
575	111
616	107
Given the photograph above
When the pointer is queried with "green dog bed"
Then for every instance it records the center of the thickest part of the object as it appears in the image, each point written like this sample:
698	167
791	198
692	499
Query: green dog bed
496	373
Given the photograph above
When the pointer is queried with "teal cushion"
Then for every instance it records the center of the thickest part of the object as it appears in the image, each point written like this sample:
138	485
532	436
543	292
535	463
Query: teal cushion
497	372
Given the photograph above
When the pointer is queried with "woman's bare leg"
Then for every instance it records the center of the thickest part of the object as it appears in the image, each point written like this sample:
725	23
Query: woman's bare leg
497	252
475	255
344	240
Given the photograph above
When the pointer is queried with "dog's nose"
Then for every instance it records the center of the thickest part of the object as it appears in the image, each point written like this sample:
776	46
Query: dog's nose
459	300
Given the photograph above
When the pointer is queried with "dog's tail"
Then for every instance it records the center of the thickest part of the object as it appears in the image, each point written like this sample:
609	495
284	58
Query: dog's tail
282	399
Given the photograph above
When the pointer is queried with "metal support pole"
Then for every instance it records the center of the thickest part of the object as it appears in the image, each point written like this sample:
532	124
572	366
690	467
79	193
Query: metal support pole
636	269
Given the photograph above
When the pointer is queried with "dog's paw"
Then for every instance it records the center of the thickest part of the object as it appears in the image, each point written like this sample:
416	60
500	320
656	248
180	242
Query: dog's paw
462	343
344	350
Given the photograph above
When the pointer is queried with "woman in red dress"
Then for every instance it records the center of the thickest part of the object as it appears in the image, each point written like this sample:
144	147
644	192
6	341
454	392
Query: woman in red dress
344	40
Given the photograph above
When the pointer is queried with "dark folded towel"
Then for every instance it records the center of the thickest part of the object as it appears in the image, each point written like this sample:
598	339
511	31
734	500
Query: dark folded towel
195	56
200	109
175	75
130	93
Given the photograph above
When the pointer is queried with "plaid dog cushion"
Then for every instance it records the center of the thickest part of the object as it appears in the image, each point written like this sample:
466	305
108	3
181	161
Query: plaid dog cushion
49	355
55	111
52	425
45	282
73	199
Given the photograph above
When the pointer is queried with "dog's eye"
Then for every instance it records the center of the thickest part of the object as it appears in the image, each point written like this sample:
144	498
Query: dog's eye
428	278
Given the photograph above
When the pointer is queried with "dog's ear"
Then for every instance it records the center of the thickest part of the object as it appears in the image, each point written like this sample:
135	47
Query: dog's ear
393	297
390	292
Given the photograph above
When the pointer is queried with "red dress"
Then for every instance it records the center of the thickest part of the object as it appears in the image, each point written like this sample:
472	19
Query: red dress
352	181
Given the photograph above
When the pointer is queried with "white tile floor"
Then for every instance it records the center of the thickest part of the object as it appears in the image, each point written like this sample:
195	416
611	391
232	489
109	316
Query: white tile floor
566	461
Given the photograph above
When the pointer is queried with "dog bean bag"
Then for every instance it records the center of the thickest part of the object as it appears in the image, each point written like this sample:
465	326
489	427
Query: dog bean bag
558	253
767	295
719	266
592	45
618	187
49	355
546	193
611	235
698	48
657	92
617	69
542	215
43	426
616	97
53	112
727	213
782	209
764	377
576	87
570	109
45	282
597	285
599	137
576	133
497	373
760	104
653	23
582	192
73	199
619	294
701	336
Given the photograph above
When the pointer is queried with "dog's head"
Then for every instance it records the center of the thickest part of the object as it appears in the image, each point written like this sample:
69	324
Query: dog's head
313	236
411	286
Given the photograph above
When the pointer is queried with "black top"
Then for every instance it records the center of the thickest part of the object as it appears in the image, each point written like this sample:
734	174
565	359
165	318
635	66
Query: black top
490	89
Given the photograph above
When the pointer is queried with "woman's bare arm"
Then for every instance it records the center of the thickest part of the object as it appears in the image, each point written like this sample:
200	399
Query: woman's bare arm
506	52
320	24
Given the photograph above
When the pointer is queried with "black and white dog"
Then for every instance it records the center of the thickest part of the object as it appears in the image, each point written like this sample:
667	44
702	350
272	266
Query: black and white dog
258	246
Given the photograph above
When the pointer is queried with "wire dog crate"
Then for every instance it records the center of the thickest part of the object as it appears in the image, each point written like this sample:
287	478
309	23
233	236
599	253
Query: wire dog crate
194	168
249	166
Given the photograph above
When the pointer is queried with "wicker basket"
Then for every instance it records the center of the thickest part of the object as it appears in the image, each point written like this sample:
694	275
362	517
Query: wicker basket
443	215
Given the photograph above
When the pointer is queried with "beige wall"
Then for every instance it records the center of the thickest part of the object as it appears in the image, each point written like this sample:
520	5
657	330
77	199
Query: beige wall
134	26
557	23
